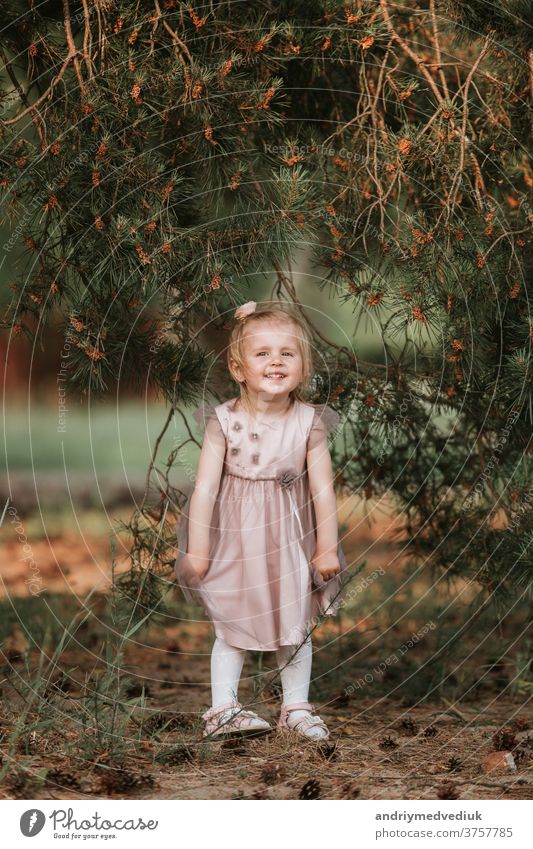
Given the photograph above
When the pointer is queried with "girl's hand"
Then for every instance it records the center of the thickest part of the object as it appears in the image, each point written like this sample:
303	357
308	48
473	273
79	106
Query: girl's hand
199	563
327	564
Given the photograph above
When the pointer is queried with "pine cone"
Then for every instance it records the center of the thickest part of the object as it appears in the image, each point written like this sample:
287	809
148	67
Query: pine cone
329	751
454	764
124	781
275	689
388	743
29	745
15	645
520	723
408	726
528	742
259	794
136	689
167	720
273	773
117	782
521	756
235	745
21	785
448	790
174	756
62	685
310	790
350	791
504	740
62	778
430	731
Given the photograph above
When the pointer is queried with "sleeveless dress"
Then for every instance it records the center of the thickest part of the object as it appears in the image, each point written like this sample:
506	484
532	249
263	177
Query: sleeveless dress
260	590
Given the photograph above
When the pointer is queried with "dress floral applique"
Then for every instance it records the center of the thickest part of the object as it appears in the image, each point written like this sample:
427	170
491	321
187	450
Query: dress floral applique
260	590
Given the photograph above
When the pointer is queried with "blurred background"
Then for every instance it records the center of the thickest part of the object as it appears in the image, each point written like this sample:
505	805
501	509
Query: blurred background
72	483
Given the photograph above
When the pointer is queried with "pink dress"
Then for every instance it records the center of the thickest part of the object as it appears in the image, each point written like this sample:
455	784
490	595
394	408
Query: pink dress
260	590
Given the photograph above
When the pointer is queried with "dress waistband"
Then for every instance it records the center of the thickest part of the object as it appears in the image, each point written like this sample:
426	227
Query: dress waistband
246	478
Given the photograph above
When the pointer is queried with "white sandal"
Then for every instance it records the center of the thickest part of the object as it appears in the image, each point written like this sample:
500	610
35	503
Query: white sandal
231	720
303	725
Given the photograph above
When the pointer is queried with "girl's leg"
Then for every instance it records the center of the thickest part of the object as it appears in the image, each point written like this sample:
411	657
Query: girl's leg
295	678
296	675
226	667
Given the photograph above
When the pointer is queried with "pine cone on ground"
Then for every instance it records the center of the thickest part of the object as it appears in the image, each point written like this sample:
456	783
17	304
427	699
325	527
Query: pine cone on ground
136	688
174	756
21	785
408	726
329	751
62	778
519	723
504	740
236	746
29	744
259	794
521	756
273	773
448	790
310	790
388	743
125	781
528	742
350	791
274	690
167	720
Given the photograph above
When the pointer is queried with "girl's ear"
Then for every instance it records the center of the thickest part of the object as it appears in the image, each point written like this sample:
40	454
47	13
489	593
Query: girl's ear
236	371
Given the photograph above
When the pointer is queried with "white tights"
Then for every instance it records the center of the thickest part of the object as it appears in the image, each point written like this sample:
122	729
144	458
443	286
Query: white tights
226	667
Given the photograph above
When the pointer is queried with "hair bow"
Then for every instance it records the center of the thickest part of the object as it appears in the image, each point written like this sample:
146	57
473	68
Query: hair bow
244	310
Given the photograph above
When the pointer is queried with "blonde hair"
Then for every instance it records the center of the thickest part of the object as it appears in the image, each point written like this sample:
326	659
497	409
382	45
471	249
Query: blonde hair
279	314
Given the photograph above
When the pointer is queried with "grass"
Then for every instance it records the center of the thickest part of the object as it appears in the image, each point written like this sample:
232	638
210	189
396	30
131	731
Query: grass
106	438
43	619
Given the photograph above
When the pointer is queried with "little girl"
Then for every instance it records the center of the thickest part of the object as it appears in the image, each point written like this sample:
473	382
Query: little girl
258	540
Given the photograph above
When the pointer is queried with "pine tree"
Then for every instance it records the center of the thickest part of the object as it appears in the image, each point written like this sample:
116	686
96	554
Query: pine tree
156	153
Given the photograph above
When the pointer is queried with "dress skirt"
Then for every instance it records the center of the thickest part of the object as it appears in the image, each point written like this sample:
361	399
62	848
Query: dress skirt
260	591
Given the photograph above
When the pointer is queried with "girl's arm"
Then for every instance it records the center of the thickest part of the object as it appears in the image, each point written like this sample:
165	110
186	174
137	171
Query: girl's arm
203	499
320	474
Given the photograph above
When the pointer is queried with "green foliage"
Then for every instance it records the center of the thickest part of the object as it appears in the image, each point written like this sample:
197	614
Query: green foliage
181	154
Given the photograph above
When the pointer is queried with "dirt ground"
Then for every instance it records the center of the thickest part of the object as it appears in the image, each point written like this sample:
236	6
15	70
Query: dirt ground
380	747
377	750
73	551
383	745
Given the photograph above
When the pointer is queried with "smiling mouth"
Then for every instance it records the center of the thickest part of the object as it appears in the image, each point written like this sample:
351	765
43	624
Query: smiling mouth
276	376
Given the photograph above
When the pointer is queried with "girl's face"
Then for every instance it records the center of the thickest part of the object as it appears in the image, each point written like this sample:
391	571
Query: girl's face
272	362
